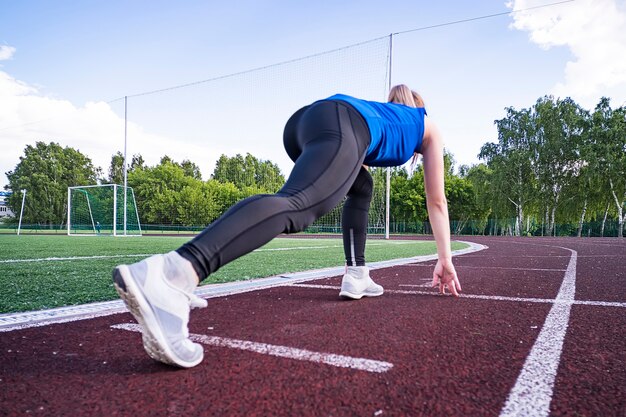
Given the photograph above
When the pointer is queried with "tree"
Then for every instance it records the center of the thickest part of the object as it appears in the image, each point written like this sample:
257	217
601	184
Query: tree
557	163
408	198
480	176
559	127
196	204
46	171
511	161
191	170
172	193
608	141
116	168
157	191
248	171
268	176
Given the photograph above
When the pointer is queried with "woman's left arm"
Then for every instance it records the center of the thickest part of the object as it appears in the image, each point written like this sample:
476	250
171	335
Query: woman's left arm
437	205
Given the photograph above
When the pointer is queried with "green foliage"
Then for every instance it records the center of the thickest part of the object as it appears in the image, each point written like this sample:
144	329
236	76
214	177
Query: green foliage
116	168
45	171
174	194
248	171
480	177
555	163
607	146
158	191
408	198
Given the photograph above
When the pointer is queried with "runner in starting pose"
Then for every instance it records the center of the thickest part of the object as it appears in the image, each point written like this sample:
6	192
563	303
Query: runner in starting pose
331	141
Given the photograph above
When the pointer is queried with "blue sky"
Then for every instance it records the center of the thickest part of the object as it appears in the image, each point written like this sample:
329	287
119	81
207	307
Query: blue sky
62	61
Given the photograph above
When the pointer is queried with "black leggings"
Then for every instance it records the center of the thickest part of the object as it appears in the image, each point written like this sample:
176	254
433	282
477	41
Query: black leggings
327	140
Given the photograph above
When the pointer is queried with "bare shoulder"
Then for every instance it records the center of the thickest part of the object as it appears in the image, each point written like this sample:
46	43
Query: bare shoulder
431	133
428	126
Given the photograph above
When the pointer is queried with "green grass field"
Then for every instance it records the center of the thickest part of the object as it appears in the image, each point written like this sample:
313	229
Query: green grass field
32	279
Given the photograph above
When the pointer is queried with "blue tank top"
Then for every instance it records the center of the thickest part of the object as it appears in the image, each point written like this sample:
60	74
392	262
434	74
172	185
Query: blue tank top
396	130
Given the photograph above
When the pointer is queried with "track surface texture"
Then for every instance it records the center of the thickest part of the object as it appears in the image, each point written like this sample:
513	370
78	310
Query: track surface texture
540	330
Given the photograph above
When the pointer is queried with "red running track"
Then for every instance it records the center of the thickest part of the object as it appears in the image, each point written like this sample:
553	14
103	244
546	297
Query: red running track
505	348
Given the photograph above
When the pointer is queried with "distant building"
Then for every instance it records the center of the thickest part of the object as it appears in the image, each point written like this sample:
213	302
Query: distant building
5	211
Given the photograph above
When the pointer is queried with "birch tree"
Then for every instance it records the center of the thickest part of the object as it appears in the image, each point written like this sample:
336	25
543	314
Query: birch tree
608	139
559	126
511	162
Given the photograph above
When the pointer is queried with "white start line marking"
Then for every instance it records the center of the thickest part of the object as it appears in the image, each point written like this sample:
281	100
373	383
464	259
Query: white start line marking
426	284
487	267
477	296
331	359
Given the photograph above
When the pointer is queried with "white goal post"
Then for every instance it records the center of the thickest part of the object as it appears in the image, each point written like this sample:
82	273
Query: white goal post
107	209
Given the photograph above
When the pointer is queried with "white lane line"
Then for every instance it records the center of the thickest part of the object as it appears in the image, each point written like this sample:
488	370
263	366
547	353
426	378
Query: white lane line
145	255
491	267
599	303
75	258
328	246
483	297
510	268
532	393
545	256
332	359
426	284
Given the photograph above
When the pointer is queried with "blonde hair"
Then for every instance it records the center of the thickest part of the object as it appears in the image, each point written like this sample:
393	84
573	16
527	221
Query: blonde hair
402	94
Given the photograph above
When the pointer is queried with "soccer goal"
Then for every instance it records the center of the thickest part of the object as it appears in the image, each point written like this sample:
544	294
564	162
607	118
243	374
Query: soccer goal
102	210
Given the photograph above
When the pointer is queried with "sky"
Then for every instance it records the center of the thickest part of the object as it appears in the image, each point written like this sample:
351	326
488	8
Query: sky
65	67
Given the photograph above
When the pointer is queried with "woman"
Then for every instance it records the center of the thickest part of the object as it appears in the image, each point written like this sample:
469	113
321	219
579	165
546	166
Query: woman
330	141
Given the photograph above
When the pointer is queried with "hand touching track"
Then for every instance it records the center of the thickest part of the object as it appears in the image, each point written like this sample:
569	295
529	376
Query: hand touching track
445	276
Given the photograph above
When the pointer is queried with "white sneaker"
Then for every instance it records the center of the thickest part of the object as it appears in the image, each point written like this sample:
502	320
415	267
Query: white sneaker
357	283
161	307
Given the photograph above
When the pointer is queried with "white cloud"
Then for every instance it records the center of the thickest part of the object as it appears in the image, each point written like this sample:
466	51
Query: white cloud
6	52
95	129
593	30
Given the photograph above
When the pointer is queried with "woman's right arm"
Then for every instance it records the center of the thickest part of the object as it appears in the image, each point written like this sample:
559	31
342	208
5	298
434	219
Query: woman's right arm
432	152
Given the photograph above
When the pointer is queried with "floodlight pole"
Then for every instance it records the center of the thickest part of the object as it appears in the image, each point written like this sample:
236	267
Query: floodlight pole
69	202
125	165
388	185
19	225
115	209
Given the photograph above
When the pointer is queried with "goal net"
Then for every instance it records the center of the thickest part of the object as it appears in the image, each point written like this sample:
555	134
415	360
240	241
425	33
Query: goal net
102	210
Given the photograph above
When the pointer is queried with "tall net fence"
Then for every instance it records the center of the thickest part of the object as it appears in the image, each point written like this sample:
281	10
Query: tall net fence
244	114
331	222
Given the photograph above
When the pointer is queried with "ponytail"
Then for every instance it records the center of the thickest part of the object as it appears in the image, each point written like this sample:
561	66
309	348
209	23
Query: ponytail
402	94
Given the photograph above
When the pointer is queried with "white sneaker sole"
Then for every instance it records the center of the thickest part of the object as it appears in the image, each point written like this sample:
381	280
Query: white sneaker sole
154	341
358	296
